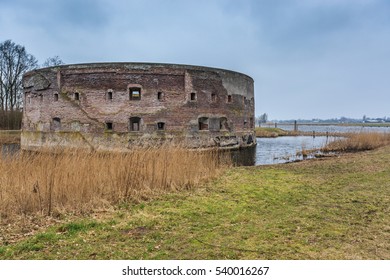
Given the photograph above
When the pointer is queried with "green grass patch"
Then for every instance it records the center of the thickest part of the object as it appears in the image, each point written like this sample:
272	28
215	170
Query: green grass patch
332	208
76	227
270	132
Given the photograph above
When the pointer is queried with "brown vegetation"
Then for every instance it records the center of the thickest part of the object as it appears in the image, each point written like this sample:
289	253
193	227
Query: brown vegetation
270	132
10	137
355	142
79	182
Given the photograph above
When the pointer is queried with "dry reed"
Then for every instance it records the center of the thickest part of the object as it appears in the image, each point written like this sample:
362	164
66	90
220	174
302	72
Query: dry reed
80	182
355	142
9	137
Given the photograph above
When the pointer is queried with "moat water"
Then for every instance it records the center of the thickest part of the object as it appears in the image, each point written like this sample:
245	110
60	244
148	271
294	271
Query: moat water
270	150
267	151
334	128
280	150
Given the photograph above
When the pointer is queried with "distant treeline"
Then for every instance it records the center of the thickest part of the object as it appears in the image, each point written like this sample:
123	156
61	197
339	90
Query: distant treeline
365	119
10	120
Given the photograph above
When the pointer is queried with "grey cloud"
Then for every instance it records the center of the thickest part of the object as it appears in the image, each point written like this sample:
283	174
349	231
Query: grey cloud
308	57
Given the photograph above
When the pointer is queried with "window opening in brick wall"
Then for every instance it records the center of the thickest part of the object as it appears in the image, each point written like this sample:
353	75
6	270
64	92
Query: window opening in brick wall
223	124
229	98
109	95
76	96
56	124
55	96
161	126
213	97
109	125
160	96
193	96
203	123
134	93
135	124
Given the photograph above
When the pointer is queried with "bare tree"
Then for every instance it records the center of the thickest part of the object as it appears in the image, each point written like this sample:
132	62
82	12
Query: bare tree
53	61
14	62
262	119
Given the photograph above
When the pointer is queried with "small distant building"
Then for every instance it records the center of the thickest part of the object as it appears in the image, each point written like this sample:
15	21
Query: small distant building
114	106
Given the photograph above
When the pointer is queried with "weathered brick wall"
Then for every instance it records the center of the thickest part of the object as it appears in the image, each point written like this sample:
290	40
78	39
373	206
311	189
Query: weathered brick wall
89	106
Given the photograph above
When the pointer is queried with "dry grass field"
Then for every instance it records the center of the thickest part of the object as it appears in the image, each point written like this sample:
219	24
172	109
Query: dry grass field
79	182
355	142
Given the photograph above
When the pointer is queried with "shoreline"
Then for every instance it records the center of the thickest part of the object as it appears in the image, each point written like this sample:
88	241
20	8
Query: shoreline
269	132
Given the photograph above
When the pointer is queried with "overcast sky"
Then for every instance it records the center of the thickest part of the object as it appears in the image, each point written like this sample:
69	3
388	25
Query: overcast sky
309	58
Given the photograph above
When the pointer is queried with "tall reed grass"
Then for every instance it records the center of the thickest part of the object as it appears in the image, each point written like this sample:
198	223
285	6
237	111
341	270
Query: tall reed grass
79	182
355	142
9	137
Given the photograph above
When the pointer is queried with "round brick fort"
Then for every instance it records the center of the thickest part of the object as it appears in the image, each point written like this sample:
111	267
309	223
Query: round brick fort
114	106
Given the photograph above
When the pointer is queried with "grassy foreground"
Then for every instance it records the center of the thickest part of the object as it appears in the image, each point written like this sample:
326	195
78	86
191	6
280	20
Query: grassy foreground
330	208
